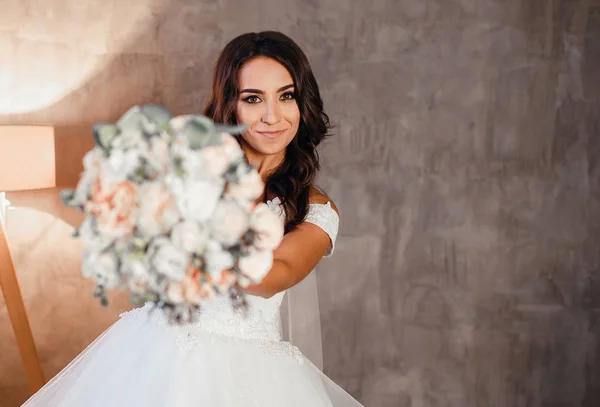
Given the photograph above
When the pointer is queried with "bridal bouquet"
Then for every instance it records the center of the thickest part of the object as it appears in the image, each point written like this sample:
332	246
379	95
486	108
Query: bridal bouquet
171	213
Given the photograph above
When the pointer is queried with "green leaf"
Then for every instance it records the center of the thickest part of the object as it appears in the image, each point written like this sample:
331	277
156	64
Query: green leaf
158	115
238	129
200	132
67	196
104	134
131	120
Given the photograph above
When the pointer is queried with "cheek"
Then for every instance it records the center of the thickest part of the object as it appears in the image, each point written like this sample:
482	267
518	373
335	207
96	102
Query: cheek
247	114
292	114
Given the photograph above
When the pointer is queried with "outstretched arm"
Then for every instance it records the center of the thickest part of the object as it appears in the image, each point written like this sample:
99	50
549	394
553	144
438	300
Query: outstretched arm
296	256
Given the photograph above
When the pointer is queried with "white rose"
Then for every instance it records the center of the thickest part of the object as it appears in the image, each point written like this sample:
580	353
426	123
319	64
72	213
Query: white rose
92	162
256	265
249	188
138	275
91	238
93	159
229	222
231	147
158	210
267	226
197	200
178	124
174	293
189	235
120	165
167	259
191	161
157	155
102	267
215	160
217	259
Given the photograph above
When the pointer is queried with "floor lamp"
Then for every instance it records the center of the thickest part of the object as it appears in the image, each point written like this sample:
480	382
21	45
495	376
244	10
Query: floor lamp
27	162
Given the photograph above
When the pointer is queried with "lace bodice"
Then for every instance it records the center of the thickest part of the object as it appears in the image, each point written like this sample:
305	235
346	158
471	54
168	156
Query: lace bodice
261	323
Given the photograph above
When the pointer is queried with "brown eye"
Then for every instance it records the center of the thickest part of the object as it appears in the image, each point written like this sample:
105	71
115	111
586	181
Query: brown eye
252	99
288	96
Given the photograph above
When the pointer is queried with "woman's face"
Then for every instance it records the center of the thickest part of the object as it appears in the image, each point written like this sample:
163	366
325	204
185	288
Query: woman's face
267	105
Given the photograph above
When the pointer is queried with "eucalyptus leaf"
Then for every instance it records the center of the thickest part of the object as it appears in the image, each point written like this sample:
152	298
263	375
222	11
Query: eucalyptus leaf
203	123
158	115
201	133
67	196
238	129
104	134
131	119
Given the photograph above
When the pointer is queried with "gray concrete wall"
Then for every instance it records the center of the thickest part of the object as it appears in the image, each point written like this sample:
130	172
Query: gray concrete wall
465	165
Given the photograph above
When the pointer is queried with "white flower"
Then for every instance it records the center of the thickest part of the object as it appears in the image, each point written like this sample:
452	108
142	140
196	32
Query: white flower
256	265
191	236
158	210
229	222
197	199
92	162
93	159
267	226
167	259
120	165
174	293
92	239
231	147
215	160
217	259
191	163
102	267
157	153
249	188
139	277
178	123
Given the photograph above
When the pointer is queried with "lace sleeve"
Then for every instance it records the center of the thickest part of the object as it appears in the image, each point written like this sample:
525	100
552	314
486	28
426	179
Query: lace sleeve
325	217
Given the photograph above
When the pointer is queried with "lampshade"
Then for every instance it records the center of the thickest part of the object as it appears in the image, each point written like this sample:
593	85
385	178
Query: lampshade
27	158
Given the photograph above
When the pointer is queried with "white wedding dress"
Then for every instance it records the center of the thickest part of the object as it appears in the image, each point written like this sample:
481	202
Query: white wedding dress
223	360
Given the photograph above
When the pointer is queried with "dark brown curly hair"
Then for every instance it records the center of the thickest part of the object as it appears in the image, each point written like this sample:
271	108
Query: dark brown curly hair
293	180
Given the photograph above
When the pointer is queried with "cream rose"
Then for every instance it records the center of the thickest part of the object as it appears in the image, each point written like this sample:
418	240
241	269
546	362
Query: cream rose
267	226
158	211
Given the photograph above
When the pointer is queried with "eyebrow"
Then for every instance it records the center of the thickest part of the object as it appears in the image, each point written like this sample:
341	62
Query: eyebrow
260	92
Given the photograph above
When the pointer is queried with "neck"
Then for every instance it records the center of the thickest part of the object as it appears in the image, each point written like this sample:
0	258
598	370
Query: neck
266	164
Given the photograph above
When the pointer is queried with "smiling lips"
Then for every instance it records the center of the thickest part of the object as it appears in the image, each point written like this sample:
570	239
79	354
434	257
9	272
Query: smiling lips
271	134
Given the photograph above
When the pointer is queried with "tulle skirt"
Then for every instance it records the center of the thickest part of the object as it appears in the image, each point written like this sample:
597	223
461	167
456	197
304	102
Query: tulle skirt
139	362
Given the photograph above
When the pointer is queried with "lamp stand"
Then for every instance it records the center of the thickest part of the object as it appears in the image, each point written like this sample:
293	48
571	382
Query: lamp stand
16	308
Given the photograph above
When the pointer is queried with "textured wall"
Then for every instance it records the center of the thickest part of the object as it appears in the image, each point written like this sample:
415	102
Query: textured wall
466	167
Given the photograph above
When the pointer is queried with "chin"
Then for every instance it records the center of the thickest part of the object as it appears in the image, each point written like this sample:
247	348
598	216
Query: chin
271	149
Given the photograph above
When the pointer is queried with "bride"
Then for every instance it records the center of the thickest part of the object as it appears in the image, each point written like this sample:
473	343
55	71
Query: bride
227	359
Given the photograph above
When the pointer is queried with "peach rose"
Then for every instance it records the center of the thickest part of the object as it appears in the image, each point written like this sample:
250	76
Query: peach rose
114	206
191	289
158	211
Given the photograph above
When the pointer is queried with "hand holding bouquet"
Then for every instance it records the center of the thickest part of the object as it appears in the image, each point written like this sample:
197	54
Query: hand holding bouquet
171	213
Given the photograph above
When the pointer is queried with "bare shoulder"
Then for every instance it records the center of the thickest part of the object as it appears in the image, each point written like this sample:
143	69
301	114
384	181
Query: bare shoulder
318	197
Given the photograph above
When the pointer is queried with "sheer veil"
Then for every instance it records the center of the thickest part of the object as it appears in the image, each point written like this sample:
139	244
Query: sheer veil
301	319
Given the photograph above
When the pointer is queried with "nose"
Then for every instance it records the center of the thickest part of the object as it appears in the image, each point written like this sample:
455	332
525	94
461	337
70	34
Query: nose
272	113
